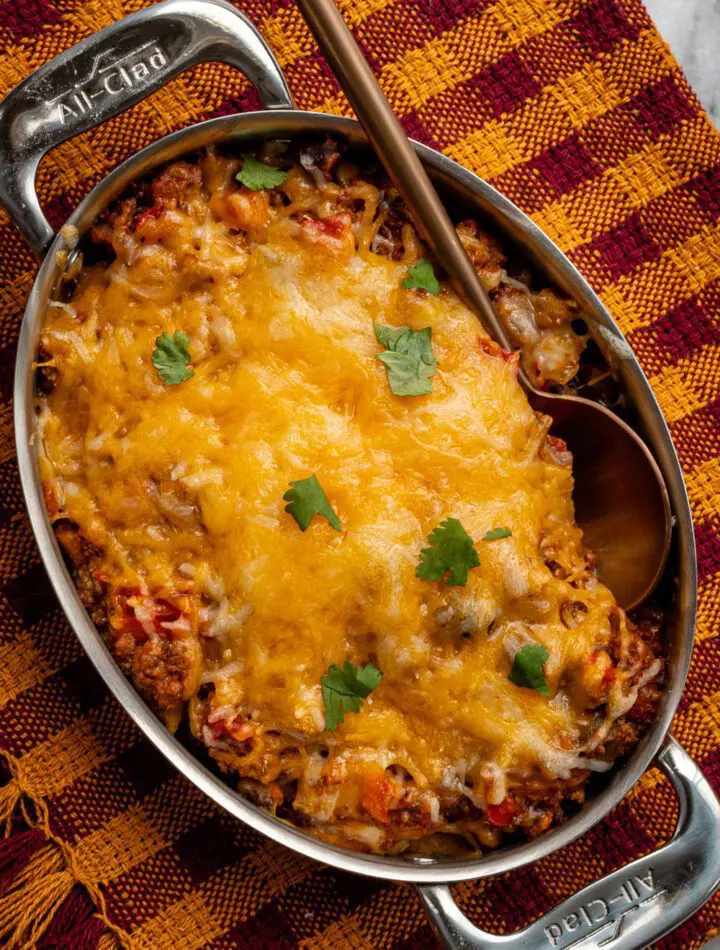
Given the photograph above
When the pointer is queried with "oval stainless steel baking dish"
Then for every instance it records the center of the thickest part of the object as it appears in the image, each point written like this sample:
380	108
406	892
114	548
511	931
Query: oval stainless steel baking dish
104	75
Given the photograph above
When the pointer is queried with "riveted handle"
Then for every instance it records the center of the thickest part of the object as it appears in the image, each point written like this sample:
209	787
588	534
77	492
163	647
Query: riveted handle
111	71
630	908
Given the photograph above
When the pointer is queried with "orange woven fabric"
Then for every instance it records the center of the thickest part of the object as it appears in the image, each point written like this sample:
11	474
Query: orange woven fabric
576	110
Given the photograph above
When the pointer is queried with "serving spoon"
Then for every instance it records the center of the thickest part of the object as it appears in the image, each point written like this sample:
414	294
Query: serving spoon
621	501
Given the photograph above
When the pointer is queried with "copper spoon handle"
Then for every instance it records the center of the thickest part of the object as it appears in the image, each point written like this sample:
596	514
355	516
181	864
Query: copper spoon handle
389	140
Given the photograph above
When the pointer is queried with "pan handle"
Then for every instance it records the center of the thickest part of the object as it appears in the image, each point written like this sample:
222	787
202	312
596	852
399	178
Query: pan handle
630	908
110	71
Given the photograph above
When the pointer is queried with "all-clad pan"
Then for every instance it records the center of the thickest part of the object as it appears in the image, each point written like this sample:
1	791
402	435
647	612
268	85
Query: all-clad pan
103	76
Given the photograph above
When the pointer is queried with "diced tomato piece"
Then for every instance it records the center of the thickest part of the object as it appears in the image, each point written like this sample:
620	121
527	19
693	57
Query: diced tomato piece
152	214
377	796
491	348
335	225
559	450
50	498
560	445
332	235
123	617
609	676
233	727
165	612
503	813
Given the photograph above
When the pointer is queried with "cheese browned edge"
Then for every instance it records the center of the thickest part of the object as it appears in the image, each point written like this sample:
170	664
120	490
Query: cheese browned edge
168	500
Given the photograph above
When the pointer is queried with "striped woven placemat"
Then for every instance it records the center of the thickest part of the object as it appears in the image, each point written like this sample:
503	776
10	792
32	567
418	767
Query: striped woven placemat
576	110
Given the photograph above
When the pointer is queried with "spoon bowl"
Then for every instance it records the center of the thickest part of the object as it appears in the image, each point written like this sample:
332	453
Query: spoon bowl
621	502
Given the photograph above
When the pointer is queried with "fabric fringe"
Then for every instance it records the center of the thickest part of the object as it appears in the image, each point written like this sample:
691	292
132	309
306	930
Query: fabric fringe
35	896
42	899
9	798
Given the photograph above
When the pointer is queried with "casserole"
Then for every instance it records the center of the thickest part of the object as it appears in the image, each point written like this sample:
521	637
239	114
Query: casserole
166	486
35	117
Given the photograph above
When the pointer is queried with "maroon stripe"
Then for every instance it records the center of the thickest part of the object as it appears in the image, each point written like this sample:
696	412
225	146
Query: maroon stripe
382	43
92	800
421	939
690	325
15	852
661	106
707	539
311	81
704	678
559	170
209	846
705	188
710	766
19	20
601	25
417	129
75	925
497	899
328	894
620	837
694	932
616	253
268	929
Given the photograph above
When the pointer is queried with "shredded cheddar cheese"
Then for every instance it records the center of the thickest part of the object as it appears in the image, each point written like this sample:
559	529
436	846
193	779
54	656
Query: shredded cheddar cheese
178	493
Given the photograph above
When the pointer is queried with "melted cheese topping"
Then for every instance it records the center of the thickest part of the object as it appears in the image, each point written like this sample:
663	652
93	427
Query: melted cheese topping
181	487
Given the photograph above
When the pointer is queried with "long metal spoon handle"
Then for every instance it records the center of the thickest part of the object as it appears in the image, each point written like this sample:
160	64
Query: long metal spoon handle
389	140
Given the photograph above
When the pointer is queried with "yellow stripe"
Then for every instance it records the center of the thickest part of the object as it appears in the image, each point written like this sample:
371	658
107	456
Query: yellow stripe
117	846
647	783
571	103
61	760
602	203
698	727
345	932
688	385
140	832
708	618
7	440
230	896
703	486
14	293
518	19
21	665
188	923
279	867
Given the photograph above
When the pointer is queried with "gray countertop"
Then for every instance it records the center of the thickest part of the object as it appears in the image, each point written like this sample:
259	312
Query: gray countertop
692	28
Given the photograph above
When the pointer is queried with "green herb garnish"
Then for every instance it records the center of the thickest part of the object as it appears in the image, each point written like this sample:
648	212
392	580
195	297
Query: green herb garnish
496	533
308	499
421	276
170	358
344	689
257	175
408	359
451	555
527	669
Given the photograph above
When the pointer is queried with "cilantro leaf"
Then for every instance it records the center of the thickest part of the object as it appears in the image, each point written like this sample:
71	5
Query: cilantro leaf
422	276
170	358
496	533
344	689
308	499
257	175
527	669
408	359
451	556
